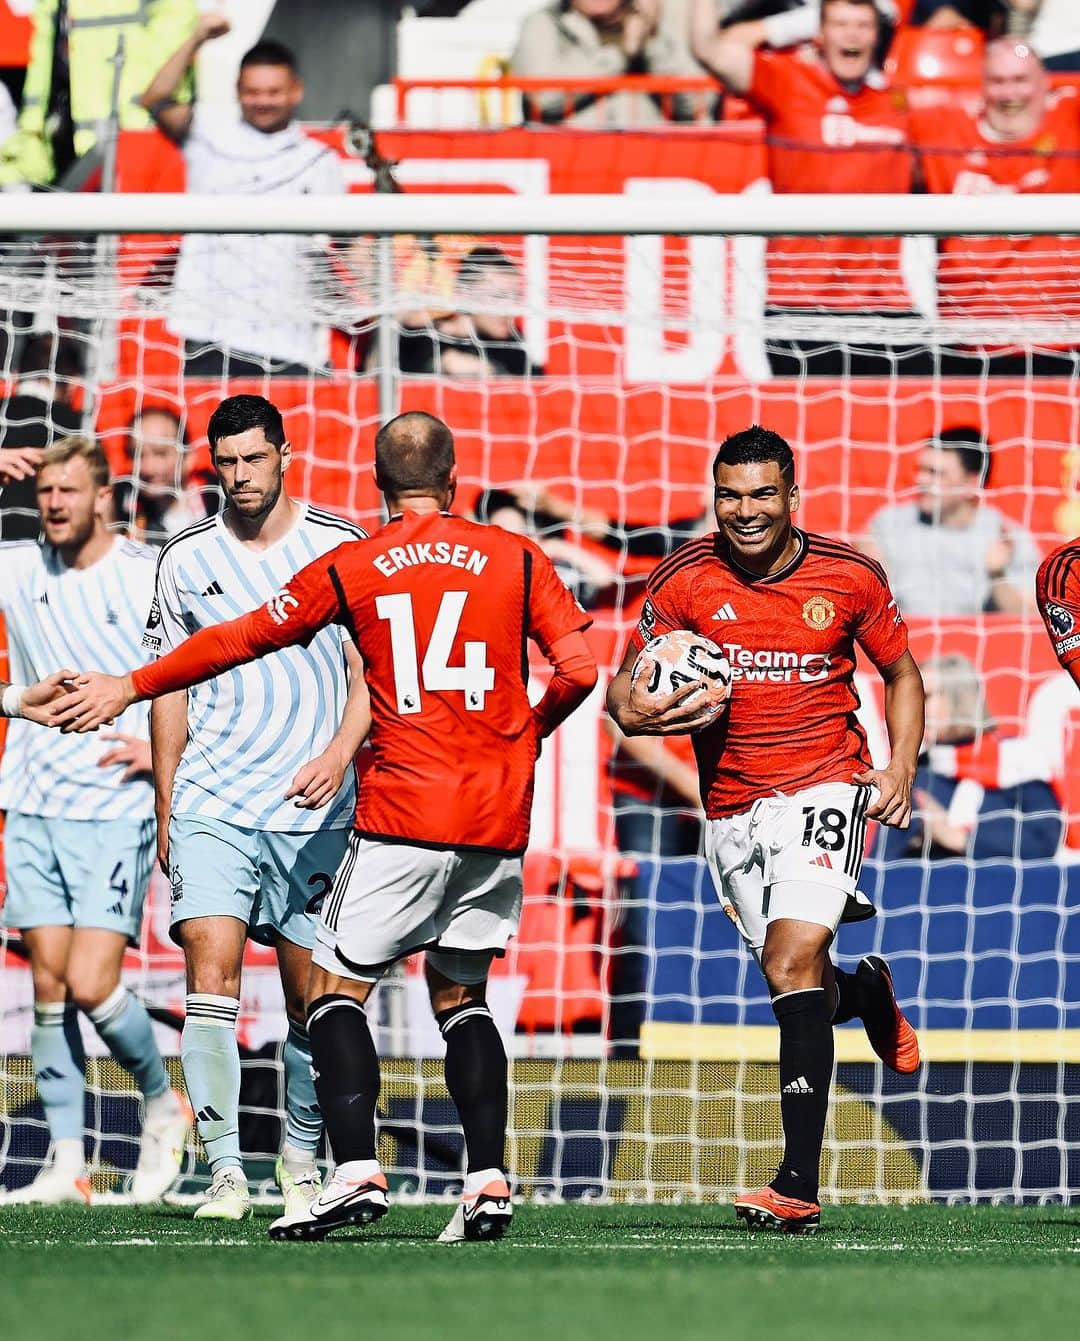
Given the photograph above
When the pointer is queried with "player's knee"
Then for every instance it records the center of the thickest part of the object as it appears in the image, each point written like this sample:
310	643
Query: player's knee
789	969
89	986
49	988
214	980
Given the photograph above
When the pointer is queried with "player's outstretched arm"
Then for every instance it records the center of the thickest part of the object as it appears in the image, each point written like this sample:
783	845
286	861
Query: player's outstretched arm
904	706
96	699
636	715
319	780
33	701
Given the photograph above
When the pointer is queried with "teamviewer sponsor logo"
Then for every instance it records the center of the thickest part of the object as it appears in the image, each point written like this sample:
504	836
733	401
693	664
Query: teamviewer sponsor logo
767	663
278	607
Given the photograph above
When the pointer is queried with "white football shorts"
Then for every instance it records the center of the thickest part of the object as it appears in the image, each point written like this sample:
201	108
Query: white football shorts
391	899
795	857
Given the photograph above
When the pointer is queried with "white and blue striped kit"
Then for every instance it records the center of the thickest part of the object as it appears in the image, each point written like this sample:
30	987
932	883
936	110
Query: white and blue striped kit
86	619
252	728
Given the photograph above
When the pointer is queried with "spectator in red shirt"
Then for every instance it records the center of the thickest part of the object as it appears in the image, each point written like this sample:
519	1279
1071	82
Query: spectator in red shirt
1023	138
834	125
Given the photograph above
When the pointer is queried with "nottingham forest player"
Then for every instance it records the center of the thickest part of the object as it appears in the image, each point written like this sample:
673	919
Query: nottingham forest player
785	772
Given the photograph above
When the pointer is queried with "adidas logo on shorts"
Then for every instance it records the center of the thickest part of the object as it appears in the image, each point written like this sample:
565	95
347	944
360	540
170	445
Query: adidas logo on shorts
798	1087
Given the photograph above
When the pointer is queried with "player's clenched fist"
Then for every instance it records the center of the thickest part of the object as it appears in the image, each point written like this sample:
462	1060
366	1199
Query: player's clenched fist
893	803
319	780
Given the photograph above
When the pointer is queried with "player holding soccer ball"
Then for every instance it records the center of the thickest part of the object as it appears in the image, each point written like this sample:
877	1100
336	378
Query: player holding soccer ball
785	771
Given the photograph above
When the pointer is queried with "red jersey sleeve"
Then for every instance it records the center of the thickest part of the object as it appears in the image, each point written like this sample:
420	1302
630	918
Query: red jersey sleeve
770	82
1057	592
879	626
659	614
307	603
552	610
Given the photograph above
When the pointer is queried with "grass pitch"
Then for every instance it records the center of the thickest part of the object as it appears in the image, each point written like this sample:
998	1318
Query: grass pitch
567	1272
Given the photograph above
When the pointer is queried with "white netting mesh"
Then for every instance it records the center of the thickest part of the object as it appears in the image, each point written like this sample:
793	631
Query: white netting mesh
588	383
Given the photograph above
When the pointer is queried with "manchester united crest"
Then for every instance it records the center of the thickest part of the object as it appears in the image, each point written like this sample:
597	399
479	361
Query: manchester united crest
819	612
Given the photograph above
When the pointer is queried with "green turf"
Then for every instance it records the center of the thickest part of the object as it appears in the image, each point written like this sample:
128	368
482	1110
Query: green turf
567	1272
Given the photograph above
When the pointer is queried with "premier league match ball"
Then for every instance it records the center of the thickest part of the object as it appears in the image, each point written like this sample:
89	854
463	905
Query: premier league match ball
679	658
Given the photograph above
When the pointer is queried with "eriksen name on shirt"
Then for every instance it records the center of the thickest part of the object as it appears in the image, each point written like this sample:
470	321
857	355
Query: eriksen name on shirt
439	551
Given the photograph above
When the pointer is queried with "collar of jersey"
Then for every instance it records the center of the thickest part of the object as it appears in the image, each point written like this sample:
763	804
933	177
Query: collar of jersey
767	579
400	516
55	562
239	544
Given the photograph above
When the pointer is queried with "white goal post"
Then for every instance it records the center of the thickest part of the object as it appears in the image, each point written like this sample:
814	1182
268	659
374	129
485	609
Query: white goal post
577	215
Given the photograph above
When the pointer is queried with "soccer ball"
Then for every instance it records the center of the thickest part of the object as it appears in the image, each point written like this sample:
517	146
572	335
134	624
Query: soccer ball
680	658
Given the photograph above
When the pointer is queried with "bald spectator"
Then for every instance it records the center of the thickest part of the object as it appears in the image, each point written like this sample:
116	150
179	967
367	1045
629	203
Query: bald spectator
1023	139
949	552
602	39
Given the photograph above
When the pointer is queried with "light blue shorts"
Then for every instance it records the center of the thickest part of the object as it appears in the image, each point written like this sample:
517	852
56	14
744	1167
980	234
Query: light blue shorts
266	880
77	873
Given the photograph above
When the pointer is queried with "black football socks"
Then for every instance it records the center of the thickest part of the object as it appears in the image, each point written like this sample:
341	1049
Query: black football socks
346	1069
806	1065
476	1078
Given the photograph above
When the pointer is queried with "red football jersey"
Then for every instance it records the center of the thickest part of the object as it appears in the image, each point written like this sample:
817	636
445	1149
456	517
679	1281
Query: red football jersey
994	276
822	138
1057	591
440	609
790	638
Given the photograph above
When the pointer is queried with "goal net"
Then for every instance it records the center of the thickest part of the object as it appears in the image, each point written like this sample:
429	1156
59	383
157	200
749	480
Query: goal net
588	377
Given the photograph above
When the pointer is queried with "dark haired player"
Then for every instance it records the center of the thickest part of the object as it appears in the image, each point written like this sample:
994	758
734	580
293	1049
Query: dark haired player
254	788
786	775
441	609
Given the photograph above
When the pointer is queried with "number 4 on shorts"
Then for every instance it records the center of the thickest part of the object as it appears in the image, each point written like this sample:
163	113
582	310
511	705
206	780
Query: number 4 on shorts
474	679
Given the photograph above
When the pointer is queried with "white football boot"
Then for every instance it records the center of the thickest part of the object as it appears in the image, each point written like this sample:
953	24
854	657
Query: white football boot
481	1216
228	1197
55	1185
161	1154
299	1191
343	1202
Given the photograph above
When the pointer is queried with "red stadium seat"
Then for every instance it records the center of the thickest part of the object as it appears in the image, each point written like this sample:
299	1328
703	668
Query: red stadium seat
929	56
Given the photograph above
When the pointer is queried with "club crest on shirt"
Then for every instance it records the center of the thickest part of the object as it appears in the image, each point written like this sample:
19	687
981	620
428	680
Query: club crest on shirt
819	612
1060	620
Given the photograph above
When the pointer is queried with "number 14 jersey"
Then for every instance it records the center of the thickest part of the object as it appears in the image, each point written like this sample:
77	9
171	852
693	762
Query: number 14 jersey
441	610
